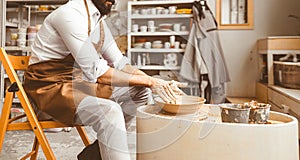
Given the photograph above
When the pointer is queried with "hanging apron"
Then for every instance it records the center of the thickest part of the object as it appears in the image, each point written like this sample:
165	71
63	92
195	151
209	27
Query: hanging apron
56	86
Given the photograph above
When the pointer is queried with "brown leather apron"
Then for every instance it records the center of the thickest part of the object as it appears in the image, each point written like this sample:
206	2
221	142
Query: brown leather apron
56	86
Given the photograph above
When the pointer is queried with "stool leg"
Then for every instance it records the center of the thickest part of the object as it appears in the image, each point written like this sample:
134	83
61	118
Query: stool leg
36	127
35	148
83	135
5	116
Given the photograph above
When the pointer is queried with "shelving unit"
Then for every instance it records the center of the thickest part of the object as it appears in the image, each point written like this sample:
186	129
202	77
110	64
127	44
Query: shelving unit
282	99
157	55
270	47
23	10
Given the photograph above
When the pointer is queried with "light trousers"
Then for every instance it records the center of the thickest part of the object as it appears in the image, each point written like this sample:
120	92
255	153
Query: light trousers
106	117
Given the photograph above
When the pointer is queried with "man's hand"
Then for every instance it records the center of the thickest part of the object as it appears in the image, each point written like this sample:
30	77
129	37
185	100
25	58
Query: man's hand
164	90
175	87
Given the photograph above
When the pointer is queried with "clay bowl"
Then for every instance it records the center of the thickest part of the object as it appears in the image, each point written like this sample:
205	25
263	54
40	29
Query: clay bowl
234	113
184	104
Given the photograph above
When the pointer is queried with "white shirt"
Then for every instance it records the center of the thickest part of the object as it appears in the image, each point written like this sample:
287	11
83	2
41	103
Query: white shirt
65	31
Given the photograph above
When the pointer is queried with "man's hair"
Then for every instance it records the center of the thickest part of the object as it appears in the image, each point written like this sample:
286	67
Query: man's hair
102	7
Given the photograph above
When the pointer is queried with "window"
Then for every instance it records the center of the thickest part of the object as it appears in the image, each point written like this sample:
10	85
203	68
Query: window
234	14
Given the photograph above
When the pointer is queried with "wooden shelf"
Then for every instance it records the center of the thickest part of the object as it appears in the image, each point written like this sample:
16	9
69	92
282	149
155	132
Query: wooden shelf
11	9
168	33
41	12
161	2
279	45
12	25
162	50
15	100
278	52
157	67
16	48
293	94
160	16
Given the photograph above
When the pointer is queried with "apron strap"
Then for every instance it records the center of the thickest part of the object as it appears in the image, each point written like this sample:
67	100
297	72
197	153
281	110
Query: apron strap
89	20
99	45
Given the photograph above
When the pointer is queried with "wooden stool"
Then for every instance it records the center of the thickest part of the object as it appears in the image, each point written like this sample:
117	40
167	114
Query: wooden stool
11	64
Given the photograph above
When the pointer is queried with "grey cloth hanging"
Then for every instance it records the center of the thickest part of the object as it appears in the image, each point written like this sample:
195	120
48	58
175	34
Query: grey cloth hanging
206	40
192	65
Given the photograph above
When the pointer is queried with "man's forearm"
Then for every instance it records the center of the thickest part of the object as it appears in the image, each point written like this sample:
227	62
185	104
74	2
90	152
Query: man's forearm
116	77
130	69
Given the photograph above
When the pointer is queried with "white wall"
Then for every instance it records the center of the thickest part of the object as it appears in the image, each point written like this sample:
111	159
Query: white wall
270	19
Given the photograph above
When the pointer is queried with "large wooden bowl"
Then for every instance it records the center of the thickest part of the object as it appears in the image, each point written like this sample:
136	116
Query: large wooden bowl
184	104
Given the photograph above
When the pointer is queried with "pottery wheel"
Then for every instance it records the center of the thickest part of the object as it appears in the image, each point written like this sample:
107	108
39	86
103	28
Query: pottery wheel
200	115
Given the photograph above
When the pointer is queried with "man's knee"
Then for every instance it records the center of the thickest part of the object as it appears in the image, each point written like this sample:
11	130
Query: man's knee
114	109
93	109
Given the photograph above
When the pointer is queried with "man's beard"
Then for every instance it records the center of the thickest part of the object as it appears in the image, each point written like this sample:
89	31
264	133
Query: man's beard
101	6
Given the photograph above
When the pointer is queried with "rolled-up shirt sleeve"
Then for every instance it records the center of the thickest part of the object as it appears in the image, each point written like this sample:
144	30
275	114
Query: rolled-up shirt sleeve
111	52
76	38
